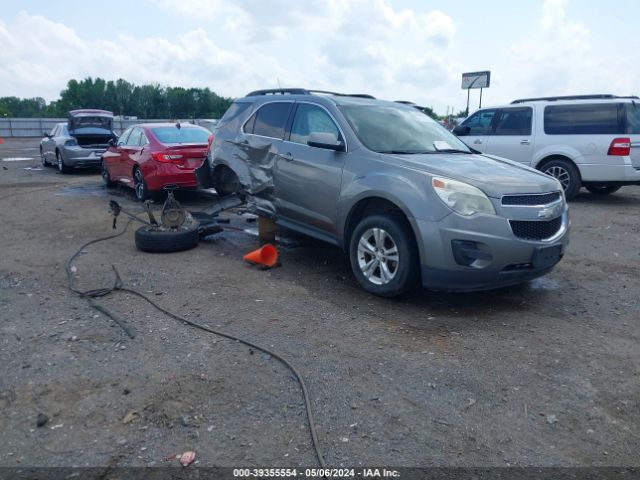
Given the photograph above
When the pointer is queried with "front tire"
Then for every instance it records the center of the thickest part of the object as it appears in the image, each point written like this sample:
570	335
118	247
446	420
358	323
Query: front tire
383	255
566	173
62	167
602	189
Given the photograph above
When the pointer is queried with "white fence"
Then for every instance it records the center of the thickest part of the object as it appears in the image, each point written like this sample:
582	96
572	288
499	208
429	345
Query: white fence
35	127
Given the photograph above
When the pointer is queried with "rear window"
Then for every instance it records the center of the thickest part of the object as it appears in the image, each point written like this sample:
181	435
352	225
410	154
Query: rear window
181	135
583	119
233	112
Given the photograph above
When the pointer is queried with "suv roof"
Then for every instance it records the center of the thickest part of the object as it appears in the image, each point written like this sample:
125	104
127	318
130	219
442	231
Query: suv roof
299	93
602	96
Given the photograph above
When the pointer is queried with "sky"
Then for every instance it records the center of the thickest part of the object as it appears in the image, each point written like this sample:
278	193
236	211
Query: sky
393	49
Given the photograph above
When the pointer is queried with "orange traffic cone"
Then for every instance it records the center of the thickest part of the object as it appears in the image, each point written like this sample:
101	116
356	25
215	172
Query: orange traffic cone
267	255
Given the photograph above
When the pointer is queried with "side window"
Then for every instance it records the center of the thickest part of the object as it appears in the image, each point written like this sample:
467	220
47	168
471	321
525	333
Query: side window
514	121
248	127
310	119
233	112
123	138
134	138
582	119
271	119
633	118
480	122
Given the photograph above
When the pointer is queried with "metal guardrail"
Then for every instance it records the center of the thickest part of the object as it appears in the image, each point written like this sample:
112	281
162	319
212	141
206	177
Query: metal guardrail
35	127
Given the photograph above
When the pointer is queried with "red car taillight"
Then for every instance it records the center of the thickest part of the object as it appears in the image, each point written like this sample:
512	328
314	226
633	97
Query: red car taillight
167	157
620	147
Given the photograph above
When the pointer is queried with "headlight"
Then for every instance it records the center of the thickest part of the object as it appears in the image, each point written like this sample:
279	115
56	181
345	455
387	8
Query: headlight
71	143
461	197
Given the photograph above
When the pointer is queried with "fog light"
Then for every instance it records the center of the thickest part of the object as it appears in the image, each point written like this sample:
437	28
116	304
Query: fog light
469	254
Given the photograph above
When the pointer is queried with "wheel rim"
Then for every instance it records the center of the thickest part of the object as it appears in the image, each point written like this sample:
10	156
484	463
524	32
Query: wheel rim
44	161
378	256
561	174
59	160
139	184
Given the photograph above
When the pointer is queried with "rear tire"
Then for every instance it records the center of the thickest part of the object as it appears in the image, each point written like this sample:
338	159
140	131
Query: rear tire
45	162
106	178
602	189
152	241
384	255
62	167
226	182
566	173
140	185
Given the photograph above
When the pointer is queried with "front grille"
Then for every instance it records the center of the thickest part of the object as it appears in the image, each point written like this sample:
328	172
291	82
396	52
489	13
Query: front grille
537	229
539	199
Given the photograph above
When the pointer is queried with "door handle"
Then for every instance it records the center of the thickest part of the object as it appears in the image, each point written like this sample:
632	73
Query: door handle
525	142
287	156
477	141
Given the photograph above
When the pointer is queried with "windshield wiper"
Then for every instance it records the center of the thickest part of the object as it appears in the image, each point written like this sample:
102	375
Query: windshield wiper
405	152
451	150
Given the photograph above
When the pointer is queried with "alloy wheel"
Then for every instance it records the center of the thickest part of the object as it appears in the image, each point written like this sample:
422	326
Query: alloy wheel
561	174
378	257
139	185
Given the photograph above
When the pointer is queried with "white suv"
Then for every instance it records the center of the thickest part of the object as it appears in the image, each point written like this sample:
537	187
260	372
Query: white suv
589	140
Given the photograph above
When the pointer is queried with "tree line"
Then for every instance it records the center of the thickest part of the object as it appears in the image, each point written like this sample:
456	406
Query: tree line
122	98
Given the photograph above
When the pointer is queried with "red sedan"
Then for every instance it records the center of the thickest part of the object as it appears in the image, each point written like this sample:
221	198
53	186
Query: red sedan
151	156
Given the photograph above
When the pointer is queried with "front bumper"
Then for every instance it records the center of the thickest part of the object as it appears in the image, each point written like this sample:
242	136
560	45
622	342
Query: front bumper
492	256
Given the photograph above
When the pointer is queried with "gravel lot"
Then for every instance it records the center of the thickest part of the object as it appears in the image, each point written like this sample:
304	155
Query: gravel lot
546	374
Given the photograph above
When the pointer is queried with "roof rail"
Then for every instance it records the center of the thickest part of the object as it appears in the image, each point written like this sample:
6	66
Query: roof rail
279	91
359	95
601	96
304	91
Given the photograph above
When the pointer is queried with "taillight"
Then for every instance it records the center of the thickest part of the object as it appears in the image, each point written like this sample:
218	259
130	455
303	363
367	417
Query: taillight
167	157
211	139
620	147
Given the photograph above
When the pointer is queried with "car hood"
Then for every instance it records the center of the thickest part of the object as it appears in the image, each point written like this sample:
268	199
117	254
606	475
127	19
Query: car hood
495	176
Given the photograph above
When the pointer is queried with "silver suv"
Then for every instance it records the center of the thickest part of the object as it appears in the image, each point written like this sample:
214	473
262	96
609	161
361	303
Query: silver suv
585	140
401	195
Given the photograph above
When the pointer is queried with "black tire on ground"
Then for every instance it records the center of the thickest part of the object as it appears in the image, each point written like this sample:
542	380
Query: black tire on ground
106	178
152	241
396	237
602	189
62	167
567	173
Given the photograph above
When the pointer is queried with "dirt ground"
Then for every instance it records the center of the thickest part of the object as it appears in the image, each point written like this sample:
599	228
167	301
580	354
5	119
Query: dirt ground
546	374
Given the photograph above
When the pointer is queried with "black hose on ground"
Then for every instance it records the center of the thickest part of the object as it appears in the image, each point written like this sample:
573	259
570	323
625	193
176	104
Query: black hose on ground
118	286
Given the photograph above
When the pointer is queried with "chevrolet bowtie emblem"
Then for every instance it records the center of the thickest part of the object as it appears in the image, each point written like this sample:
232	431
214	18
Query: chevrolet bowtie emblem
546	212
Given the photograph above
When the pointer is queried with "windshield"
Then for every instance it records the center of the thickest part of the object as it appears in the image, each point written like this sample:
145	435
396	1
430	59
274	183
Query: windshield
391	129
181	135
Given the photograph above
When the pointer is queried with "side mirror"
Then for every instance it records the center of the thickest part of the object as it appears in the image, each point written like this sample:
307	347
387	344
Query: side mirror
325	140
112	142
46	134
461	130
